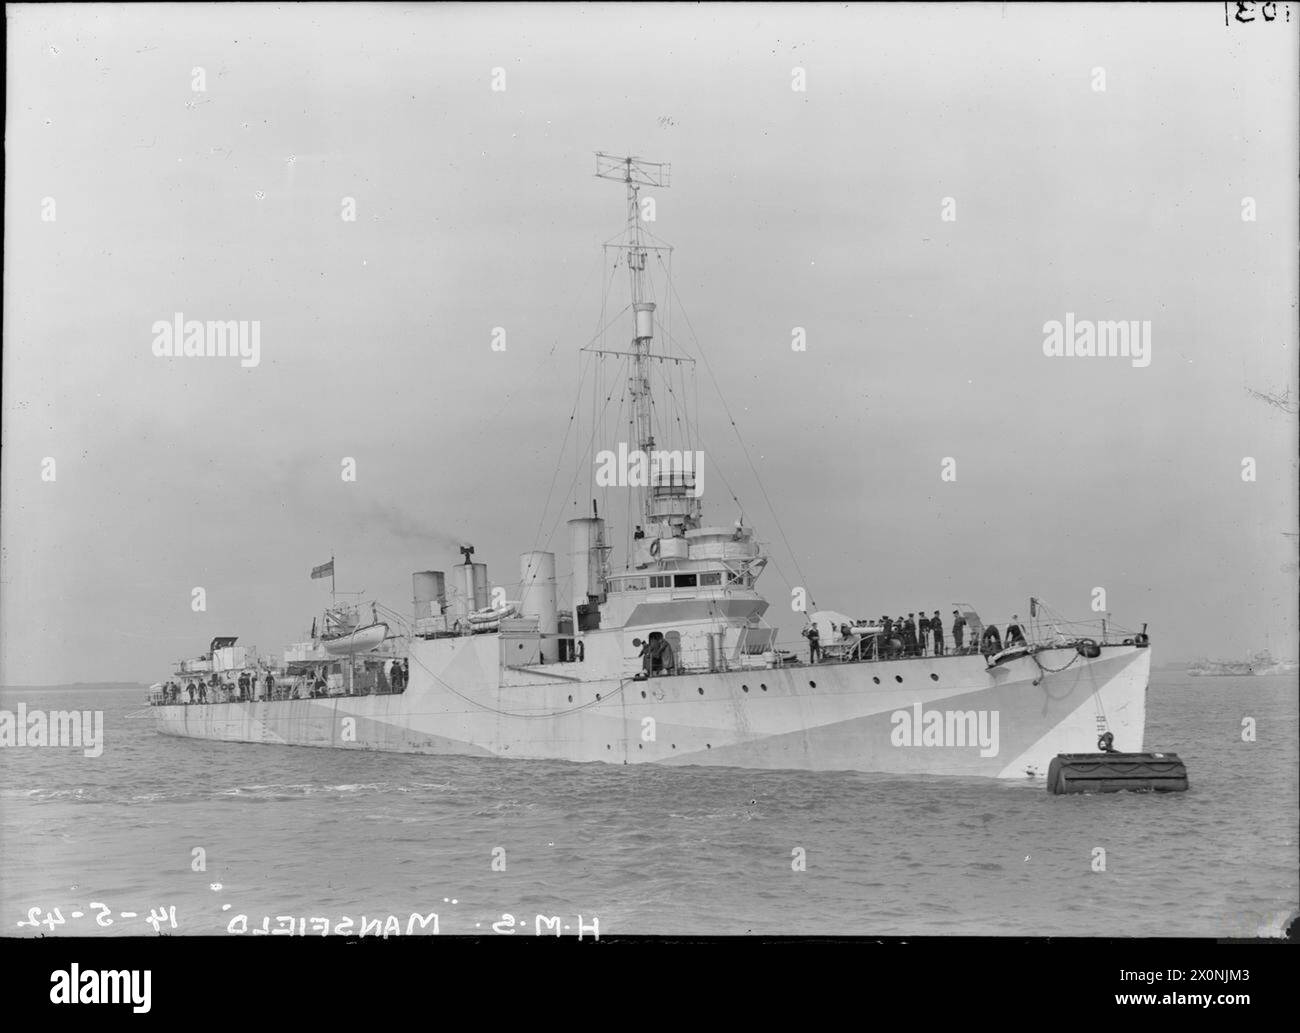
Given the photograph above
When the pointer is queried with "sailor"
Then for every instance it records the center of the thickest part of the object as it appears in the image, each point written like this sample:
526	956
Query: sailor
667	658
1014	634
189	687
814	643
992	642
958	630
638	534
270	686
923	633
936	629
909	635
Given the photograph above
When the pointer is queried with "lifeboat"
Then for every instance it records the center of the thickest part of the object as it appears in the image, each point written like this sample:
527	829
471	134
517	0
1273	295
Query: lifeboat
359	640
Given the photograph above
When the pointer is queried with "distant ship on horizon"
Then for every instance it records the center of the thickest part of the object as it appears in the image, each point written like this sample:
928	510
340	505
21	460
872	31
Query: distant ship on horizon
1262	663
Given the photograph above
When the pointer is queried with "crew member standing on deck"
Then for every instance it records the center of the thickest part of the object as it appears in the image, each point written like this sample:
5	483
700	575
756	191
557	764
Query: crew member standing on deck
958	629
922	633
814	643
936	629
909	635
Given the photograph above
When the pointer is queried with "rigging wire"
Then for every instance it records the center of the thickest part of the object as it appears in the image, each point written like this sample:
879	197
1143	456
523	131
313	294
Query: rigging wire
744	449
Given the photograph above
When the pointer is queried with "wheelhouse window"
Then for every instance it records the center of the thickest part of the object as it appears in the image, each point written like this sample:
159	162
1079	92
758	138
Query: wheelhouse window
710	578
686	580
661	581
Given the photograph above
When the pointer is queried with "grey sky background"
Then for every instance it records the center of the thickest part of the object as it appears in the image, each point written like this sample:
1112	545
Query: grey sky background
478	209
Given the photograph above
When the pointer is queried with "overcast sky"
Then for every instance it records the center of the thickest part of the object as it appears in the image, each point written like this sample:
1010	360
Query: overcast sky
477	208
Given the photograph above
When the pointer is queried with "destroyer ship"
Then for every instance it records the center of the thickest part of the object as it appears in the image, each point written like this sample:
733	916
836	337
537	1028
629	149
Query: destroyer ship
672	659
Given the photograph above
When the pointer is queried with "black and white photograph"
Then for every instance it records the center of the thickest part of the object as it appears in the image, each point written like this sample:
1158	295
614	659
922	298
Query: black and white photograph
638	472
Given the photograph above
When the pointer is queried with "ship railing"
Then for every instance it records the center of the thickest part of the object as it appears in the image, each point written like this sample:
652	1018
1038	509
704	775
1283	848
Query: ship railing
1043	634
1059	632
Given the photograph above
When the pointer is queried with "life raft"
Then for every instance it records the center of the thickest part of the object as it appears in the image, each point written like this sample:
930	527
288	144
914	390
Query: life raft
491	614
489	618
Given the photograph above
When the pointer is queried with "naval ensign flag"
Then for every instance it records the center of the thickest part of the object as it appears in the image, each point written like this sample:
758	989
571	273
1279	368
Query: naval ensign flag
324	570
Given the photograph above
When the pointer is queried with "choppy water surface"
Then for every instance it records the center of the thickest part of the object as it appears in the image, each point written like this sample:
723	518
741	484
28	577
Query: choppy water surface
321	833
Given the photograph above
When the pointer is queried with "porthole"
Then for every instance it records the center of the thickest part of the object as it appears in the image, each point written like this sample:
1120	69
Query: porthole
606	745
643	693
898	678
763	686
744	688
812	685
640	746
701	690
570	699
598	697
708	745
934	677
875	679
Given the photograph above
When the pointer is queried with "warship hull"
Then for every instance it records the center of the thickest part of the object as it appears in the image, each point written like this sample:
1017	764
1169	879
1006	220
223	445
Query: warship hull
943	715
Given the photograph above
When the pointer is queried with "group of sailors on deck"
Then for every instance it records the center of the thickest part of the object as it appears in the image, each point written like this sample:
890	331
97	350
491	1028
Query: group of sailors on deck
895	638
392	676
250	685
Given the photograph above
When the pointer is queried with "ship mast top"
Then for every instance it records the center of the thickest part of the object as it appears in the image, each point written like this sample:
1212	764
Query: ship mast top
668	504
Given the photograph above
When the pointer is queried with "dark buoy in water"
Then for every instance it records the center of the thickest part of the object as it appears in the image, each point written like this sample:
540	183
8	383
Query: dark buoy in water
1116	773
1113	772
